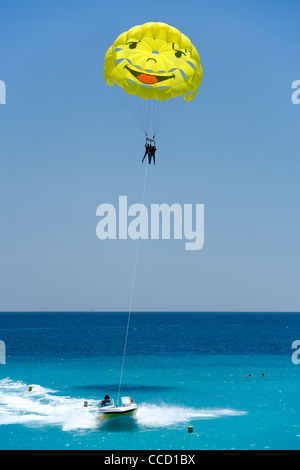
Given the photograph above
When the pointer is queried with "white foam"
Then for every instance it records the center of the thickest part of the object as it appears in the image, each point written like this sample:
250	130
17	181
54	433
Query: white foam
164	415
42	407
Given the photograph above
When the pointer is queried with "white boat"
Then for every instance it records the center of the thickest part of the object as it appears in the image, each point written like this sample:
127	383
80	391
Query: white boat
107	408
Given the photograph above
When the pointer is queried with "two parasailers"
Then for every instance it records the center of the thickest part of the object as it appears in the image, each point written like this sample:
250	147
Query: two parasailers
150	149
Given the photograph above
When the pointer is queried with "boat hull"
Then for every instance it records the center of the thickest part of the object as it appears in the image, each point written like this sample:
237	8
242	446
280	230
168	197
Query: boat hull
107	409
117	413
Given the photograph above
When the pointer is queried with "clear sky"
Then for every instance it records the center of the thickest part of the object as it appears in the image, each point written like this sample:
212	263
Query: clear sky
67	145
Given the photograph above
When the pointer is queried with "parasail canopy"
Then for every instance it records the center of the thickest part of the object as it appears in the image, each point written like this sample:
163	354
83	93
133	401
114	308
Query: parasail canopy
154	61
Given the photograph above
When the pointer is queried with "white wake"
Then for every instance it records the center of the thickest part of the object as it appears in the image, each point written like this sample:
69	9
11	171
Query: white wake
165	415
43	406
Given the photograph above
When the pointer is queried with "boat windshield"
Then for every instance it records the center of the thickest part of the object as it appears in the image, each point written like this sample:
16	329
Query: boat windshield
126	401
104	403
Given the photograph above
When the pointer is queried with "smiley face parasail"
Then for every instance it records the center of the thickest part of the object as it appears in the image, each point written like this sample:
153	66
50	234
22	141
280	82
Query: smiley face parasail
154	61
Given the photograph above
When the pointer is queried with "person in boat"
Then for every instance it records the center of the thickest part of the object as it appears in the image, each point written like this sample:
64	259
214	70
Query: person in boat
106	401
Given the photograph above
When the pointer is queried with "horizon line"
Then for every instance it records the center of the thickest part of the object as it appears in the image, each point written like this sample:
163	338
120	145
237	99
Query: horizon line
154	311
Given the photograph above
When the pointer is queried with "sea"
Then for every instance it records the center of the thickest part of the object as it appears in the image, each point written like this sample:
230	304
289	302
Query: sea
231	376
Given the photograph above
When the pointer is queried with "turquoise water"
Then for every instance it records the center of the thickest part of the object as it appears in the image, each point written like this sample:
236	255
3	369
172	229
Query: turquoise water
182	369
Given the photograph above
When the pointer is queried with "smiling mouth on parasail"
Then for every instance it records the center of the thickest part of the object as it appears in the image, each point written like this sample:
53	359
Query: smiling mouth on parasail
149	78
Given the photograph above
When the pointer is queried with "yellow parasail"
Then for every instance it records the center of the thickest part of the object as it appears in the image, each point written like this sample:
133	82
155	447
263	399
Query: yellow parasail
154	61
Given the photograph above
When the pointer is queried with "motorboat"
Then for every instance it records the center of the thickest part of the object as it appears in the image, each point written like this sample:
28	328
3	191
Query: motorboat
107	408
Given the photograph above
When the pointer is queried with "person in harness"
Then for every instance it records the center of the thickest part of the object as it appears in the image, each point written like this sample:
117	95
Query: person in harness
152	153
147	151
150	149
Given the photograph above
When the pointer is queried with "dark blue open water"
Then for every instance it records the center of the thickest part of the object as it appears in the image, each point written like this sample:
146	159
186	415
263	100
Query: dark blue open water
181	368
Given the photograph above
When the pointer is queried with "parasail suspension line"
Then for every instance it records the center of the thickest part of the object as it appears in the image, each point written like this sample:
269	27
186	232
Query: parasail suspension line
132	291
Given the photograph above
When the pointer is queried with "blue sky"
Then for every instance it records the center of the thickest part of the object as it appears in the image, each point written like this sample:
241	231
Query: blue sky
68	145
